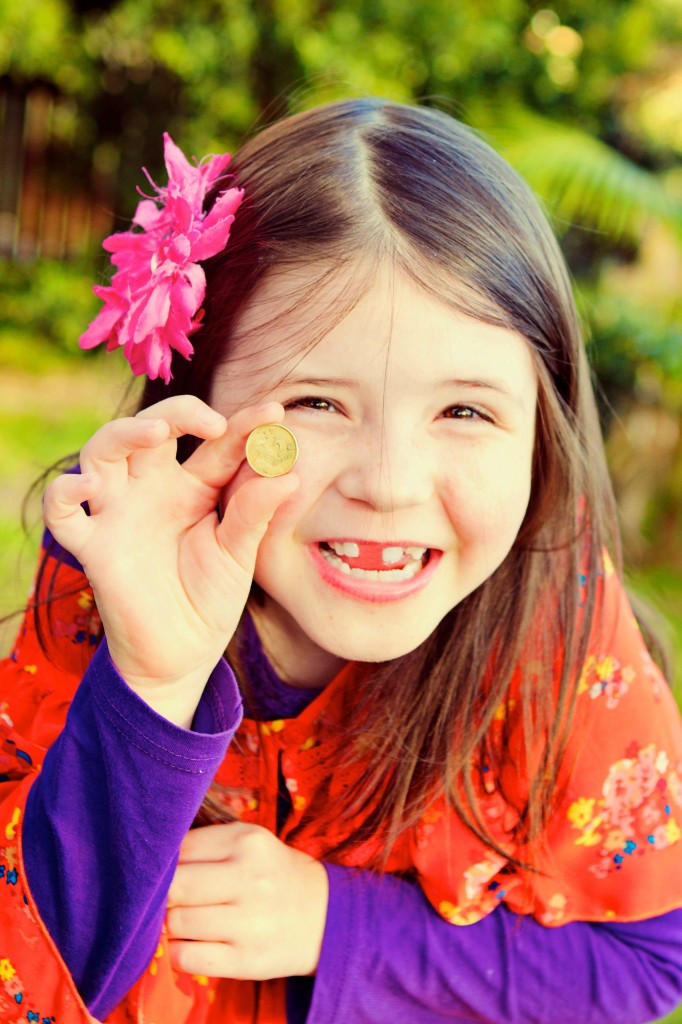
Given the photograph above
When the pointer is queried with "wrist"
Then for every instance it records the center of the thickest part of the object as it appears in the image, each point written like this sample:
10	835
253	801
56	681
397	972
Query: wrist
175	698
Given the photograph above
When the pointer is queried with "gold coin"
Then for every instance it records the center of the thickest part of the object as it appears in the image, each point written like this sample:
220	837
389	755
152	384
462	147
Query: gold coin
271	450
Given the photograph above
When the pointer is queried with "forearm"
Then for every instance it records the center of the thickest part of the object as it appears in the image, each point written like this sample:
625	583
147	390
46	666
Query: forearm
116	796
388	955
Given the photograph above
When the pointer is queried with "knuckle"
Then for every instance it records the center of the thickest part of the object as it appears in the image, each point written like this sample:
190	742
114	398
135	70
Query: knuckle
171	407
57	491
51	493
253	842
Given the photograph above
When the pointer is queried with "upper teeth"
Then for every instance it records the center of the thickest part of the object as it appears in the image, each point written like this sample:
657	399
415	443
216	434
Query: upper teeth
348	548
389	555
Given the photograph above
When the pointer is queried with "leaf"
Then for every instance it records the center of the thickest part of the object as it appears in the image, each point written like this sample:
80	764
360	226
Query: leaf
582	180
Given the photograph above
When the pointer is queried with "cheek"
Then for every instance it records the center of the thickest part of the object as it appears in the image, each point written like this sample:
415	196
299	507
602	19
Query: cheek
489	506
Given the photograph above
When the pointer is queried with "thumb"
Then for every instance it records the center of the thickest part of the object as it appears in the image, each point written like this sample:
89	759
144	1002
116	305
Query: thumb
248	515
63	510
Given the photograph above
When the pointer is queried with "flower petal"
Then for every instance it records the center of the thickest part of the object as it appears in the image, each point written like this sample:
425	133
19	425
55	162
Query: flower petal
101	327
147	215
154	307
154	301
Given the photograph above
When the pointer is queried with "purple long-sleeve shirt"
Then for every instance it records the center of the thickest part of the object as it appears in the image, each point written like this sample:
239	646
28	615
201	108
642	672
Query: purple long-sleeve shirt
117	793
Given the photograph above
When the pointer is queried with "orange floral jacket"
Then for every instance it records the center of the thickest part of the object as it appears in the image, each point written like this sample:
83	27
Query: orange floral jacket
612	850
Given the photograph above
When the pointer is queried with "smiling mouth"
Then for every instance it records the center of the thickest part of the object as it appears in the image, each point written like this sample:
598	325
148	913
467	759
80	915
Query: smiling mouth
385	563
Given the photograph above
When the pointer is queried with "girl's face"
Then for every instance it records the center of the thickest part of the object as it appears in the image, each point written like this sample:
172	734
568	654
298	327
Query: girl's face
416	426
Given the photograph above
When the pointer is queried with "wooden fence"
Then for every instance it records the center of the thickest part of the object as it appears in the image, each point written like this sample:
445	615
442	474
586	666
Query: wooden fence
56	196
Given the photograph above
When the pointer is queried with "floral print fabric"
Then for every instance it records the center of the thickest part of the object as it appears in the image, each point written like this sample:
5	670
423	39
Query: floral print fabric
613	849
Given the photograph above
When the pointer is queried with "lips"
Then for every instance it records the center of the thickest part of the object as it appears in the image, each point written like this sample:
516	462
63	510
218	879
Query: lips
349	567
367	560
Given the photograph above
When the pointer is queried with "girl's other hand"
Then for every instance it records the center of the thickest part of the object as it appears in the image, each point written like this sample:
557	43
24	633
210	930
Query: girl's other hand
244	905
170	576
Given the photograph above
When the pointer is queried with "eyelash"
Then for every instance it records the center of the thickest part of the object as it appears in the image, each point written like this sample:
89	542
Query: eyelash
319	404
312	402
471	413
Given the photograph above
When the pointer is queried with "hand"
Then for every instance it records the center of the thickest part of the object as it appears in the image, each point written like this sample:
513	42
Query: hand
244	905
170	577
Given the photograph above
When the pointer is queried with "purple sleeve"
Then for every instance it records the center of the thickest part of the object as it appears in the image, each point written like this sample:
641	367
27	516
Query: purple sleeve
387	955
118	791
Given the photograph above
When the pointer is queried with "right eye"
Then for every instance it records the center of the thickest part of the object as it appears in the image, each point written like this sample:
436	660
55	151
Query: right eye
311	402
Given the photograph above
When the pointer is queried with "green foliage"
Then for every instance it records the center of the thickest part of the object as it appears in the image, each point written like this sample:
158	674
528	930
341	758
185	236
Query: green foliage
628	333
43	305
582	179
39	40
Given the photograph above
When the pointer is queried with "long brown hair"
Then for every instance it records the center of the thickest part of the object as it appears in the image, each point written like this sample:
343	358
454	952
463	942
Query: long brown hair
368	178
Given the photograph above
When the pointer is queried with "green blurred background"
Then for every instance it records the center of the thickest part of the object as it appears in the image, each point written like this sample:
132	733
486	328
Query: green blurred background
585	99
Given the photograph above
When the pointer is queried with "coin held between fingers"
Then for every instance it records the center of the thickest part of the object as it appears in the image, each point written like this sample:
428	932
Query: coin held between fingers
271	449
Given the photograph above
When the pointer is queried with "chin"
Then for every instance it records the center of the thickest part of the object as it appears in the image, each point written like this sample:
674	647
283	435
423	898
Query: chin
374	647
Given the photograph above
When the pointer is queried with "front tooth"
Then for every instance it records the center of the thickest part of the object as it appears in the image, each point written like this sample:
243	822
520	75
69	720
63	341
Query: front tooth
348	548
389	556
416	553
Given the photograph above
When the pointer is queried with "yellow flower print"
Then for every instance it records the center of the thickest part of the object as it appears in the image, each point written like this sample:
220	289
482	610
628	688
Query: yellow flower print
154	967
503	709
672	831
615	840
7	972
606	678
580	812
605	668
456	915
477	876
590	836
11	827
587	668
269	727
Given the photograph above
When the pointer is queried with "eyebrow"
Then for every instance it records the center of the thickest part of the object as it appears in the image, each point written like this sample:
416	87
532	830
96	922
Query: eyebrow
320	382
475	383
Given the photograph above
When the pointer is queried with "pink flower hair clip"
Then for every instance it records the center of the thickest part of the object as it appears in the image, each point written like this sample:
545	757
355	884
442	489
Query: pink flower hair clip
154	301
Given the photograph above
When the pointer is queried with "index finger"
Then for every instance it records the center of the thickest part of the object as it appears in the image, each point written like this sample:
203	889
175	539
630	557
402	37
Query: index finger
186	414
203	884
210	842
216	461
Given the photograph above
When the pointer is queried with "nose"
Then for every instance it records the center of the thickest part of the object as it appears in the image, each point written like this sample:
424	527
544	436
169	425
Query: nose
388	470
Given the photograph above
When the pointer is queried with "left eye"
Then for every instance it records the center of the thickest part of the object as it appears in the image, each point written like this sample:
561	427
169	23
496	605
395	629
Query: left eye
464	412
312	402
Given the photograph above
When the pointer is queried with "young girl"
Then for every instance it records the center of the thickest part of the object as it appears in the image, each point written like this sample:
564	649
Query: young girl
433	772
